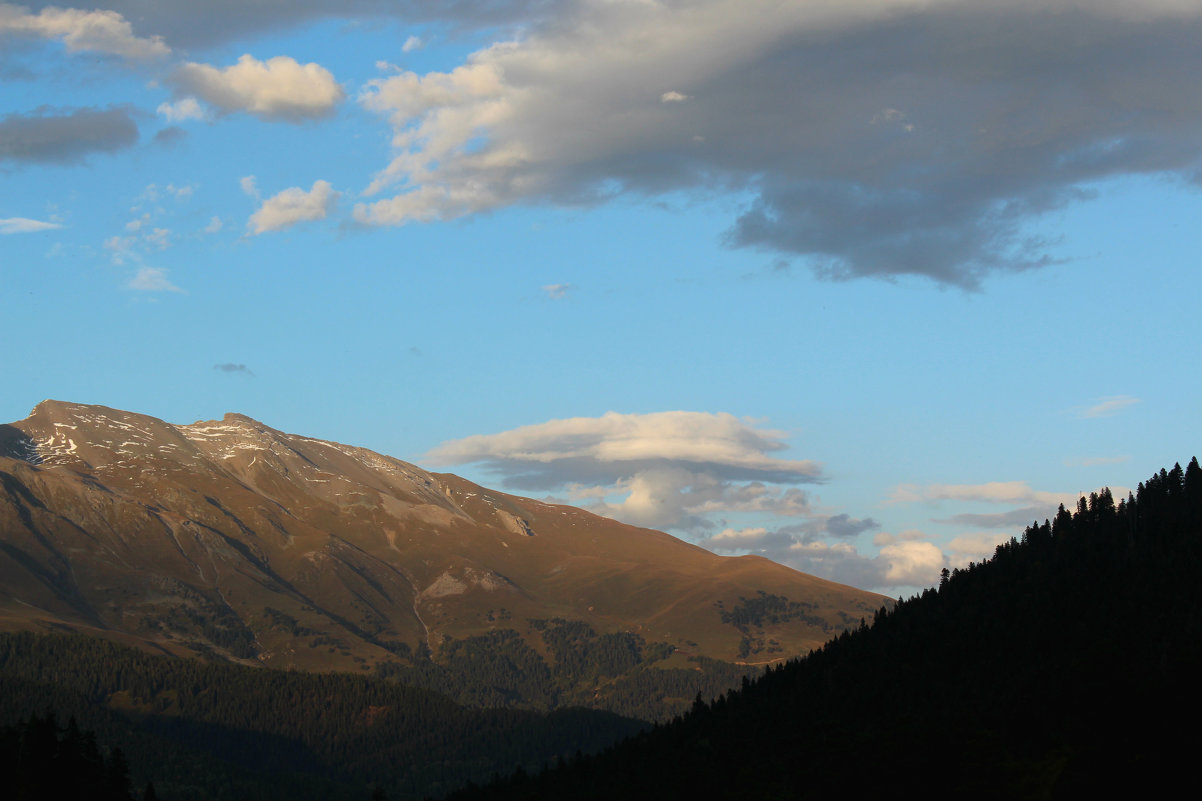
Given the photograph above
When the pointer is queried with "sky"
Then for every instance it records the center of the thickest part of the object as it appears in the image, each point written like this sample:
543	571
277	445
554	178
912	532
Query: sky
863	286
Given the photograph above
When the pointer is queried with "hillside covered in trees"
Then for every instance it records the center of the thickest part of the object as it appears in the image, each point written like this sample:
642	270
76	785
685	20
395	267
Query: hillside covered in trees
217	731
1065	666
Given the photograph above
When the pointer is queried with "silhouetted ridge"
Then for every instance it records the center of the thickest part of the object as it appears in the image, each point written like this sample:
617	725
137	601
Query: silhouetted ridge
1064	666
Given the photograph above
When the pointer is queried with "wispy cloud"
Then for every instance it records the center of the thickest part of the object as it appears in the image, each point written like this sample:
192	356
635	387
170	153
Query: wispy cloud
230	367
152	279
1107	407
991	492
1013	519
24	225
556	291
1094	461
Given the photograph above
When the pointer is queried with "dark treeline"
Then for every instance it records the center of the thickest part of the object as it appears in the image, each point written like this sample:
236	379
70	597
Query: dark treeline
220	731
41	760
1065	666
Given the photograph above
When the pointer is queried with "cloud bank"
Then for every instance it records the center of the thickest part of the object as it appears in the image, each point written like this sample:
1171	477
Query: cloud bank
874	138
862	138
190	24
80	31
665	469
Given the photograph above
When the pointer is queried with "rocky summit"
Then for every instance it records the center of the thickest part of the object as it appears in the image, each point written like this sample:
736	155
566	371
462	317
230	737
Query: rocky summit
236	541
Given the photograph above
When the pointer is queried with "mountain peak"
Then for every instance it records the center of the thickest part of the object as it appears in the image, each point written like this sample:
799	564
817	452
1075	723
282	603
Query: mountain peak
60	409
263	545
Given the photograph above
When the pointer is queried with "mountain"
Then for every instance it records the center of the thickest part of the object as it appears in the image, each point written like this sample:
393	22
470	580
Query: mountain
1066	666
232	540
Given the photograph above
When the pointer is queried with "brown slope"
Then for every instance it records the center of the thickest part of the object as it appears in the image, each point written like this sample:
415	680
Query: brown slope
288	551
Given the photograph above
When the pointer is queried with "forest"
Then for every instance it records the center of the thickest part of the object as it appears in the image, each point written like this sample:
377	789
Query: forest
213	730
202	730
1065	666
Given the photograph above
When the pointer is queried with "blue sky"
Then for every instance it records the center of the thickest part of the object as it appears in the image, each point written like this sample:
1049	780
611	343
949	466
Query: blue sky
854	285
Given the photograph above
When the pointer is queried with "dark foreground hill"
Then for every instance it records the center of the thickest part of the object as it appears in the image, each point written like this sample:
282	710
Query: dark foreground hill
1067	666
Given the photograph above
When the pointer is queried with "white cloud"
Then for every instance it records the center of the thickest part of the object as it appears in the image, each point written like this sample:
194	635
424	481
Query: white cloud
1028	504
24	225
665	469
121	248
905	560
735	539
184	109
857	170
615	440
93	31
249	186
152	279
279	88
556	291
1107	407
157	238
292	206
974	548
913	564
215	225
411	44
887	538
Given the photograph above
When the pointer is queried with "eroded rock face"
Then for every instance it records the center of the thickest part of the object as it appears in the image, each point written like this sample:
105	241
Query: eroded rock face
232	537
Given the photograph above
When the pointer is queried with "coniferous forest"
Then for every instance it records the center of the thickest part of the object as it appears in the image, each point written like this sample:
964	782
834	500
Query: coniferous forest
210	731
1063	666
1066	666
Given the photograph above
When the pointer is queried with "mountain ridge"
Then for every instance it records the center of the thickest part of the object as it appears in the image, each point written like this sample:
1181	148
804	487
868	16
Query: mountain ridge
235	540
